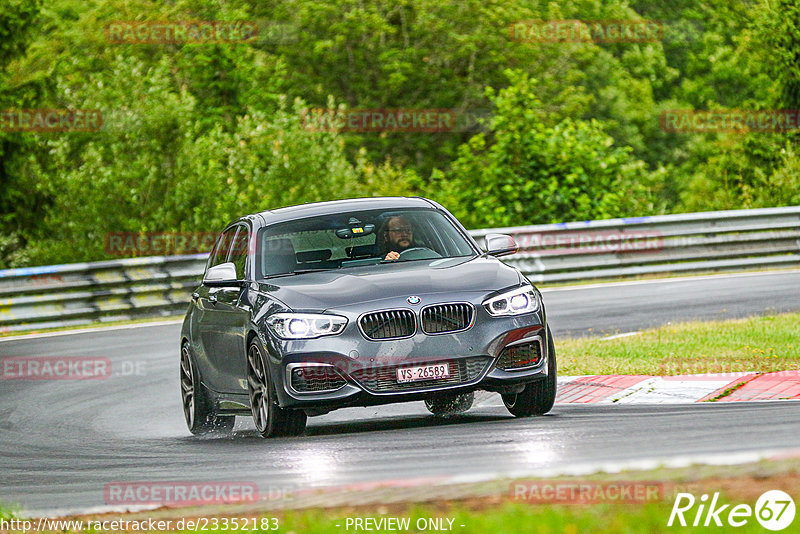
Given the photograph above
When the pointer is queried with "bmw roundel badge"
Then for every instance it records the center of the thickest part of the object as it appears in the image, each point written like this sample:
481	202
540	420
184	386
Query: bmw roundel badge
413	299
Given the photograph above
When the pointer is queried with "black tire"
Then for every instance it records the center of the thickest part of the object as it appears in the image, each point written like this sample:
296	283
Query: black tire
198	409
538	397
444	405
270	419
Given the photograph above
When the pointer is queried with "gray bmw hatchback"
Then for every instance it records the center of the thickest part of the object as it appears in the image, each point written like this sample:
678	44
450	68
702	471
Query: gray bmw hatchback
310	308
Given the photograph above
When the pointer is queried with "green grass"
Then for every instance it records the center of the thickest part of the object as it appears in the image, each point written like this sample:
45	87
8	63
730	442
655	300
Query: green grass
736	483
509	518
492	509
761	344
5	513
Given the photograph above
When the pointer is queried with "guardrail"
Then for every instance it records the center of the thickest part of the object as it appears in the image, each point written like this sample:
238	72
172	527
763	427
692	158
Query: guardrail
663	244
65	295
81	293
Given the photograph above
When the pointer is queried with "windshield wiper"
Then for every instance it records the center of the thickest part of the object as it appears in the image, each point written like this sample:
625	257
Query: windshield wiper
299	271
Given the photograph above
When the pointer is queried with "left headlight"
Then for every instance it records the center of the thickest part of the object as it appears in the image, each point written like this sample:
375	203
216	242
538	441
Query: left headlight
305	325
514	302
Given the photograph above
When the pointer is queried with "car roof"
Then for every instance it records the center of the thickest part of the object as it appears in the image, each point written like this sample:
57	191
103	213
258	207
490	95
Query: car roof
338	206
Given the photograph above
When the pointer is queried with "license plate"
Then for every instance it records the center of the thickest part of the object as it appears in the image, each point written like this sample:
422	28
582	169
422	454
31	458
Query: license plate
423	372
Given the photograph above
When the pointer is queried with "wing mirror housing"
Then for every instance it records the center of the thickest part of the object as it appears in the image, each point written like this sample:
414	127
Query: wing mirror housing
222	275
500	245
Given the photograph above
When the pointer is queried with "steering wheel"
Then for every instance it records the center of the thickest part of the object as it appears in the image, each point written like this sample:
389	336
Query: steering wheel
419	253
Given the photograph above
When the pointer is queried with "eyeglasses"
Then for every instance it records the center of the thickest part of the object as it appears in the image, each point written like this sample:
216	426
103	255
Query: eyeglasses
403	230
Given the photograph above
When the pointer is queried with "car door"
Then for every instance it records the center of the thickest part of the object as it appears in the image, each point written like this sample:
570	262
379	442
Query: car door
233	307
222	318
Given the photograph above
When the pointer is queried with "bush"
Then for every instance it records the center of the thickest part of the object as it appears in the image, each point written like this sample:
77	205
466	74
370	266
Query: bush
529	171
153	168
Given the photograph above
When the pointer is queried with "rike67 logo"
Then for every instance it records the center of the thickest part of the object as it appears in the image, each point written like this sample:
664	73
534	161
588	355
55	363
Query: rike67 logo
774	510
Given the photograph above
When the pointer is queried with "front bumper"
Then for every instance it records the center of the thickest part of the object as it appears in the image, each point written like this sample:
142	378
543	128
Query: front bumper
367	369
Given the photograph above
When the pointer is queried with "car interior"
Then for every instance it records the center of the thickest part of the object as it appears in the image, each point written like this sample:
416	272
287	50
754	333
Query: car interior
349	240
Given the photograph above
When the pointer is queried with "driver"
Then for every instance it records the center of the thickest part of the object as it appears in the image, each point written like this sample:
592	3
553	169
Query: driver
397	236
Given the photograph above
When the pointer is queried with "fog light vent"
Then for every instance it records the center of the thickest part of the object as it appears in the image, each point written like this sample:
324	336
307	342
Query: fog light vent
520	356
316	378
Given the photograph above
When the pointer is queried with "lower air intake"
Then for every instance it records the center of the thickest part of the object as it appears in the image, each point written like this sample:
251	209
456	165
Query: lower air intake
520	356
316	379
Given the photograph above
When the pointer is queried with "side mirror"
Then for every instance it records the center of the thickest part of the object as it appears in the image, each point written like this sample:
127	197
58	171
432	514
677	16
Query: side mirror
223	274
500	245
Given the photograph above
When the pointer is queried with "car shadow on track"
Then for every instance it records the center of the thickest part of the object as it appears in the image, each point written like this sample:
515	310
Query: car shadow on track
362	426
396	423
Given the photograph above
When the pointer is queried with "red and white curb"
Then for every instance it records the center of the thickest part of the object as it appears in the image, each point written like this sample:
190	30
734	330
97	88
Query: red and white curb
646	389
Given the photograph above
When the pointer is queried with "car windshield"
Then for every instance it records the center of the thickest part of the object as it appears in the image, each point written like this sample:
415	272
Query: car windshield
351	239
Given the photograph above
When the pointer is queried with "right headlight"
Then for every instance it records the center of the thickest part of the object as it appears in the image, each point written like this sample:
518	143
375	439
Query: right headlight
515	302
305	325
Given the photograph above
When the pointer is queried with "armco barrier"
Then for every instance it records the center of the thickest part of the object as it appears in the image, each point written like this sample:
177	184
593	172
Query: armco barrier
80	293
683	243
63	295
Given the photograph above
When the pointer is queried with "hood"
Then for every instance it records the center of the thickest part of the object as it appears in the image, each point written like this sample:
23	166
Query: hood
345	287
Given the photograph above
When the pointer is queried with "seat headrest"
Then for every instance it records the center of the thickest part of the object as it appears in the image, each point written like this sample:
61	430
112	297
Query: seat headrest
313	255
279	257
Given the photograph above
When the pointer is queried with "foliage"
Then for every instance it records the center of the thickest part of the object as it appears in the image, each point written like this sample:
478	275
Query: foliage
195	134
536	172
727	171
154	168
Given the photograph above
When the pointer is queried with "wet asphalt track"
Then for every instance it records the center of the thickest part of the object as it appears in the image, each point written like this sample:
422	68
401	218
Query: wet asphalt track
62	442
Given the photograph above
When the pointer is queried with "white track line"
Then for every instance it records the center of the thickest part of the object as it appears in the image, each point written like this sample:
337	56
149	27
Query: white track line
617	336
93	329
666	280
643	464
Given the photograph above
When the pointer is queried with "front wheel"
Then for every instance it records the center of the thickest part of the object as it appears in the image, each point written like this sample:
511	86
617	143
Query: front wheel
538	397
197	405
269	418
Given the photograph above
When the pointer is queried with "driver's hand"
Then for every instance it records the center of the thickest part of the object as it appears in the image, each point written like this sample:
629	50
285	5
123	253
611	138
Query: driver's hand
392	256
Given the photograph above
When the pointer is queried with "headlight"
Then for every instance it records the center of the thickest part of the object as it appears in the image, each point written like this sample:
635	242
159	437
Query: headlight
305	325
514	302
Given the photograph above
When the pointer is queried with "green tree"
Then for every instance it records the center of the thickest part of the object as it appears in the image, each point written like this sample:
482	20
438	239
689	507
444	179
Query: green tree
17	18
535	172
733	171
155	168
